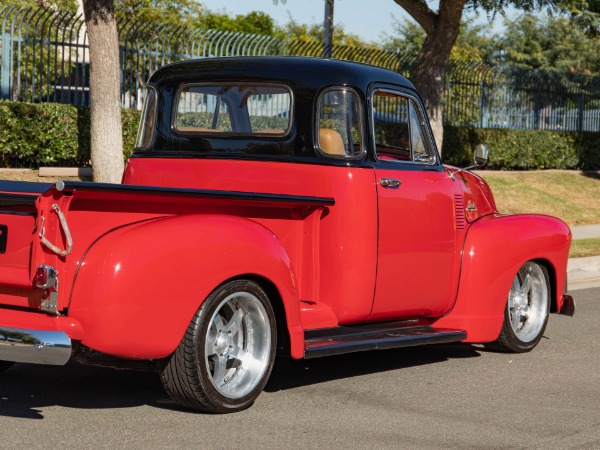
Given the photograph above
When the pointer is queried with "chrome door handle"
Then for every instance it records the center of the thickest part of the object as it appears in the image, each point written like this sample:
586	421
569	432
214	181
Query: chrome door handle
390	183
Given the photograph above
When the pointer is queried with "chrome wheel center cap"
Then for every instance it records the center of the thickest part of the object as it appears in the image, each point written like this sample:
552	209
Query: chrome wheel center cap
222	343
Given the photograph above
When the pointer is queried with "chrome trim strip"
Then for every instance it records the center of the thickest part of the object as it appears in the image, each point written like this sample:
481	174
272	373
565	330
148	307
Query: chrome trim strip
34	346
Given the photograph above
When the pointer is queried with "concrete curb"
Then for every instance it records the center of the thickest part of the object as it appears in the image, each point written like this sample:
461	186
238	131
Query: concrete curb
583	273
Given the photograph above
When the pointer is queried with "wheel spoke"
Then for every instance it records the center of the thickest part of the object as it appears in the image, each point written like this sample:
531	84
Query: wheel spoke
211	339
218	323
515	318
220	369
246	360
526	285
234	324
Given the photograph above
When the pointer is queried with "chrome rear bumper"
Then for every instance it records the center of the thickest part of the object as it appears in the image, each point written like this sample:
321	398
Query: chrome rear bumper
34	346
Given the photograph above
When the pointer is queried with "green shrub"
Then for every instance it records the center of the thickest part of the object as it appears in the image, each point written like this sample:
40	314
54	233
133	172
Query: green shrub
523	149
51	134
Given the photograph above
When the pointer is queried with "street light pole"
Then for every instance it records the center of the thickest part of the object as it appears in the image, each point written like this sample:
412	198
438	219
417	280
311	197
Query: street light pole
328	29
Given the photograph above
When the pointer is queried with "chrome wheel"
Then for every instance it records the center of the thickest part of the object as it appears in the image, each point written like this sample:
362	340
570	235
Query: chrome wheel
226	356
238	343
528	302
527	310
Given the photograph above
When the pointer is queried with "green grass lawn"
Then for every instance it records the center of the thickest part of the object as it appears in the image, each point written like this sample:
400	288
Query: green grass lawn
573	196
585	247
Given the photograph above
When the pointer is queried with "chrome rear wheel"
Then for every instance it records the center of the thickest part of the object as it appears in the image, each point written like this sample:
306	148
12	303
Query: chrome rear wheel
237	345
224	360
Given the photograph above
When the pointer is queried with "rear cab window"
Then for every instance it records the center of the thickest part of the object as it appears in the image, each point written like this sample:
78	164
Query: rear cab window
234	109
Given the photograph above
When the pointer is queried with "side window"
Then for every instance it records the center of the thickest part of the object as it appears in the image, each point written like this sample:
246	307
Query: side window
339	126
398	129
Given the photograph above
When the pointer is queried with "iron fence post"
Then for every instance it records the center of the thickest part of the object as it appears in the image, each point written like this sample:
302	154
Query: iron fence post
6	73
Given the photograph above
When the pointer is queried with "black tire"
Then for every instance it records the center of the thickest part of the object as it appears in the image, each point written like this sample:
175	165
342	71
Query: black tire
526	312
5	365
226	356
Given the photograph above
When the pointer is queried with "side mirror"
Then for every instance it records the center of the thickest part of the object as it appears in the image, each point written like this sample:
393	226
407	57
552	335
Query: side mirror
480	155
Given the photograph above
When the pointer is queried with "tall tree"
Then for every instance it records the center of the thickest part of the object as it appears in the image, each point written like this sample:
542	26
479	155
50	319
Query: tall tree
442	28
549	43
106	128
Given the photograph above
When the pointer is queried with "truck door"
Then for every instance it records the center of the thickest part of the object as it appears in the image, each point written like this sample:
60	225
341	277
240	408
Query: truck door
418	251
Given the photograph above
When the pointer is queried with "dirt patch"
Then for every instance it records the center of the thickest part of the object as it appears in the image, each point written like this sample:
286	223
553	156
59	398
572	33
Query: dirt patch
33	175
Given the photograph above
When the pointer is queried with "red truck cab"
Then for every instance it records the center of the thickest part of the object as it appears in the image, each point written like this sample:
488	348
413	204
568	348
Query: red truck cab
290	205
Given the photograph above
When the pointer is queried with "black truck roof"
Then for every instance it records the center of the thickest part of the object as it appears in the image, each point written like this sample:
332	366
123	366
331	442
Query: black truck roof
311	72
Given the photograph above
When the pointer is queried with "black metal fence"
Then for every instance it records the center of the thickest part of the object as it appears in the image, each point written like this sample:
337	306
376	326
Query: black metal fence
44	58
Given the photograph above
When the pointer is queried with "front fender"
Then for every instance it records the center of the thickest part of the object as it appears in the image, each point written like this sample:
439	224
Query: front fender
495	249
138	287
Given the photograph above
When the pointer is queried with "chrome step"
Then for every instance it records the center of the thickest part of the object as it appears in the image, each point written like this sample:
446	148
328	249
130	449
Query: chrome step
379	336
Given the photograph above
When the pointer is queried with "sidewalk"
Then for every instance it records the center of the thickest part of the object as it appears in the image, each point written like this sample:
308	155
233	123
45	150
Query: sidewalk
583	273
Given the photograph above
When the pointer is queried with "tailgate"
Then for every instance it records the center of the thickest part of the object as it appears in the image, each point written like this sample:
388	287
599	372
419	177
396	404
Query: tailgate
18	218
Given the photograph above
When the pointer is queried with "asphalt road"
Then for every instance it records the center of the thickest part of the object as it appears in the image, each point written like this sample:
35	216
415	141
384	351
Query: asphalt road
452	396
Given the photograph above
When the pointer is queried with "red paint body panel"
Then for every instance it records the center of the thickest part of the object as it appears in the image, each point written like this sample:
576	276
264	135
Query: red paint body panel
336	254
419	246
135	294
495	248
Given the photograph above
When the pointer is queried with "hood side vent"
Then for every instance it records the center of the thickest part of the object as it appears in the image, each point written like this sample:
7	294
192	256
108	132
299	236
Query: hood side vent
460	211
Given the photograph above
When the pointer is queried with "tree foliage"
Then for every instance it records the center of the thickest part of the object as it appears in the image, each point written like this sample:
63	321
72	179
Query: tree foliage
549	43
442	27
169	12
63	5
314	33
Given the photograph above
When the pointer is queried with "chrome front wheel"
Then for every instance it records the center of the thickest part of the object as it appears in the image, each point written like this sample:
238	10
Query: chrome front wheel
527	310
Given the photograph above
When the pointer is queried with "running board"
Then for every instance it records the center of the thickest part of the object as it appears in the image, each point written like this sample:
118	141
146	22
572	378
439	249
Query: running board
379	336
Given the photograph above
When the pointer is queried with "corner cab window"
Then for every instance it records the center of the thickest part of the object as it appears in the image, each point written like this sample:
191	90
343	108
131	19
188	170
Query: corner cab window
339	127
399	129
144	135
244	109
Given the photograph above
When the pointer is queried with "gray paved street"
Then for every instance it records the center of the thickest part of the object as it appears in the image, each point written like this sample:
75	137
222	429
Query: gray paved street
437	397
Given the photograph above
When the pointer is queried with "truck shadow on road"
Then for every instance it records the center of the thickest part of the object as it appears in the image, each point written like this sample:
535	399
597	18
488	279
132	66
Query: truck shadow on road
26	390
289	373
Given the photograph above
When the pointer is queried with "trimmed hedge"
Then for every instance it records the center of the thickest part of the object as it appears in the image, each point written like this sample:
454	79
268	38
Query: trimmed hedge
523	149
51	134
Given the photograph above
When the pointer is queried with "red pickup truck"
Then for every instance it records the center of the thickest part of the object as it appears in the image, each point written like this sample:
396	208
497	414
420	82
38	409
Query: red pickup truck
272	205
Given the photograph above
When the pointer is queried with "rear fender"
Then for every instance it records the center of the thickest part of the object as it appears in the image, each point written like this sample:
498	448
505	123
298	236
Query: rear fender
495	249
138	287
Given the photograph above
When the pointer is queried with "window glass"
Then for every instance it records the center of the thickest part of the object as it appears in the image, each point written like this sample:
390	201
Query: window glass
399	130
420	150
390	120
339	124
147	119
234	109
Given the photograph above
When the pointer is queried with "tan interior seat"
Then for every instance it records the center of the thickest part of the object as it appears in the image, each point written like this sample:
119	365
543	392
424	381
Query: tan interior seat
331	142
